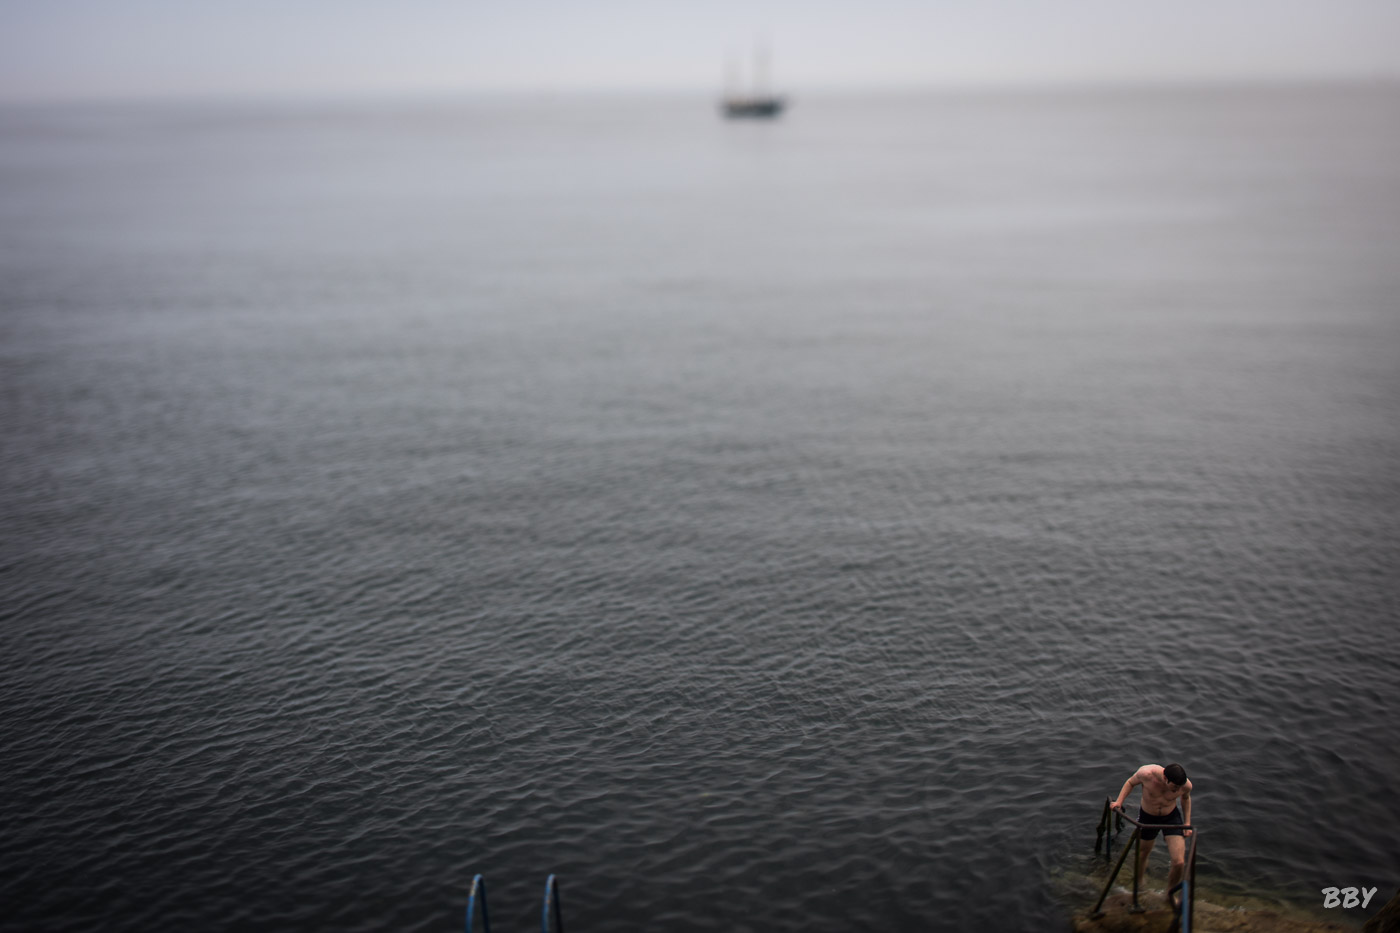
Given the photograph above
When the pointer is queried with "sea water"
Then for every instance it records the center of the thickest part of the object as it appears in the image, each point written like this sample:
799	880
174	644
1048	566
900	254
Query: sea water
761	525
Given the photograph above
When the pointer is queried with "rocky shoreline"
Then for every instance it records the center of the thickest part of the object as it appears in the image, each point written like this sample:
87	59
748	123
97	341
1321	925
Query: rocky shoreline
1214	918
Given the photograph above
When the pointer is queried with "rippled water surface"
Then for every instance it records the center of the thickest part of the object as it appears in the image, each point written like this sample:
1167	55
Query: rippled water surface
762	526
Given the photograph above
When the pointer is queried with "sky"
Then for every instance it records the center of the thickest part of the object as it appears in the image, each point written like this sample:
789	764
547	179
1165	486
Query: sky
83	49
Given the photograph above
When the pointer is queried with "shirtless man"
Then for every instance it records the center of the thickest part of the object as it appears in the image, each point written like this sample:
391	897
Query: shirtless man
1161	789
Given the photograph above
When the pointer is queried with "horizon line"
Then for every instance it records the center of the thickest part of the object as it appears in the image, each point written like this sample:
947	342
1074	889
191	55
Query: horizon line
1061	84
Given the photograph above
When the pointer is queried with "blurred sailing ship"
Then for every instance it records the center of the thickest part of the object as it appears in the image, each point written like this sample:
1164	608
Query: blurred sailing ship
757	102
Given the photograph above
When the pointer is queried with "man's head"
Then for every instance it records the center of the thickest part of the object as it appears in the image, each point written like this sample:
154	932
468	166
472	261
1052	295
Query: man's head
1175	774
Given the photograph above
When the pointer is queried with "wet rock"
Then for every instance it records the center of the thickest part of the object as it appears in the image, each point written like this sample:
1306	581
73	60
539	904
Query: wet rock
1209	918
1387	920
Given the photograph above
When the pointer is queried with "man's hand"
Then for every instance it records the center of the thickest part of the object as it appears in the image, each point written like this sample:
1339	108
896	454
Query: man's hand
1116	805
1187	832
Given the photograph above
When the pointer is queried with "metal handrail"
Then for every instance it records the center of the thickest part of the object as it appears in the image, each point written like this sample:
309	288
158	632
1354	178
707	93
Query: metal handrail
551	899
1126	818
478	884
551	906
1135	843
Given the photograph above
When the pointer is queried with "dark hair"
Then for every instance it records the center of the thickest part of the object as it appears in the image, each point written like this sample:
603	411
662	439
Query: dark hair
1175	773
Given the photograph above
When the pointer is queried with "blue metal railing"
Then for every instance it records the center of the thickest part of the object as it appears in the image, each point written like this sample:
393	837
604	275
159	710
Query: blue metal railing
478	896
551	900
1185	914
551	907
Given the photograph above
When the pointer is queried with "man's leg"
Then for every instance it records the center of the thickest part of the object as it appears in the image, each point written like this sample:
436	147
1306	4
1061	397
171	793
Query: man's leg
1176	848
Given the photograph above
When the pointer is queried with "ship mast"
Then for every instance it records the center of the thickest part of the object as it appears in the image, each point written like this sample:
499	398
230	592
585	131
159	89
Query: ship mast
762	58
733	76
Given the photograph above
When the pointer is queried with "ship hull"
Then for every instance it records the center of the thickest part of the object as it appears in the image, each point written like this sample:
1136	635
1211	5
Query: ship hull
761	108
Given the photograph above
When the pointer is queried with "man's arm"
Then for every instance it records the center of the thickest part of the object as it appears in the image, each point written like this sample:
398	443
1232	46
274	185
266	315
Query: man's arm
1128	786
1186	808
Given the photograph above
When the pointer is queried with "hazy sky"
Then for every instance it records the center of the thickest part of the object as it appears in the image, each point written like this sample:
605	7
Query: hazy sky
99	48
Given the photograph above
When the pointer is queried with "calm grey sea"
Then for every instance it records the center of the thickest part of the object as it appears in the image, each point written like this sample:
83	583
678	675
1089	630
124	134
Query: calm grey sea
776	526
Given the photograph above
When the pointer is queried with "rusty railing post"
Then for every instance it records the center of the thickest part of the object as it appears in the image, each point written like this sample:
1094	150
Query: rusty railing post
1105	822
1137	871
1096	912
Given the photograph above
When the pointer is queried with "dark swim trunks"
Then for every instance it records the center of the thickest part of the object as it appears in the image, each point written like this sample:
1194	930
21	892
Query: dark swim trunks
1170	819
